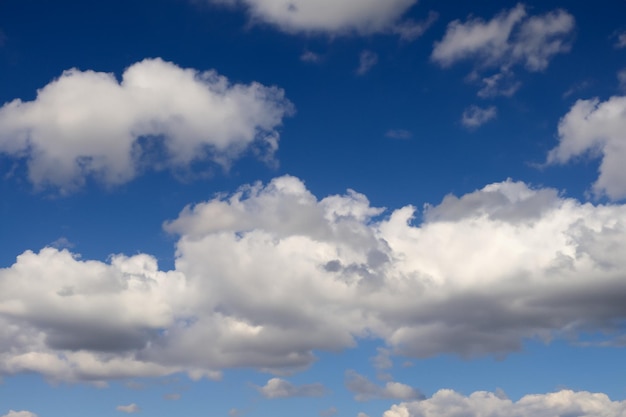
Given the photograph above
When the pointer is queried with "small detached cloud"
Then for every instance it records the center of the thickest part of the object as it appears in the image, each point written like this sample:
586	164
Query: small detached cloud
329	412
335	18
448	403
173	396
129	409
13	413
621	78
620	40
474	116
366	390
280	388
398	134
367	60
509	39
311	57
159	116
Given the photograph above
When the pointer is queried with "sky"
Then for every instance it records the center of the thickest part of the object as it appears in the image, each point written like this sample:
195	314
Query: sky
350	208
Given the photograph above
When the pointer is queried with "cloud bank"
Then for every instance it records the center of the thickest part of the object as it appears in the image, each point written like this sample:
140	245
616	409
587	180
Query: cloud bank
269	274
447	403
87	124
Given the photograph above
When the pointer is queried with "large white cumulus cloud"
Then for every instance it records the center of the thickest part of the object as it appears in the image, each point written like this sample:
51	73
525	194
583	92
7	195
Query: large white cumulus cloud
269	274
86	123
599	129
447	403
335	16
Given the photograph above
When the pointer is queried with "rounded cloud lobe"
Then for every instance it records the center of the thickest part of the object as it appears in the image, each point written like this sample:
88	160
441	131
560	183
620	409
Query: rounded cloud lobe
159	115
447	403
334	17
269	274
599	129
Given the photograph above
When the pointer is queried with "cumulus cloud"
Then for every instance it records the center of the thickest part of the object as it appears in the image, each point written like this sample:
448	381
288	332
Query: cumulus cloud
475	116
447	403
334	17
20	414
269	274
280	388
129	409
89	124
597	129
367	60
366	390
509	39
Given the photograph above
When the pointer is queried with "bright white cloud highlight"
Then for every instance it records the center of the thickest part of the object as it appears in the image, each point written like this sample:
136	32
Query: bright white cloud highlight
447	403
129	409
598	129
334	17
269	274
475	116
89	124
280	388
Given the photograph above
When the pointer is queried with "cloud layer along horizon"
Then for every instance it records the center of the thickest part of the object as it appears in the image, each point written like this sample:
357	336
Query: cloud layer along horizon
481	273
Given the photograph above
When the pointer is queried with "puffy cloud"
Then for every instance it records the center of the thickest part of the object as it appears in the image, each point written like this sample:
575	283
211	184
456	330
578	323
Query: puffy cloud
447	403
269	274
334	17
366	390
508	39
280	388
475	116
367	60
130	408
159	115
598	129
20	414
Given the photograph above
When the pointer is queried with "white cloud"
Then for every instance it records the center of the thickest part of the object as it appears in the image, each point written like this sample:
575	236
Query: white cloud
130	408
87	124
328	412
20	414
308	56
268	275
172	396
620	41
510	38
398	134
334	17
366	390
361	414
598	129
280	388
447	403
367	60
475	116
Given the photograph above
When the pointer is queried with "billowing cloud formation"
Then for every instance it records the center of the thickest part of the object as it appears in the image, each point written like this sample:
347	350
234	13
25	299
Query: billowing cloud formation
280	388
365	390
271	273
335	17
447	403
159	115
598	129
508	39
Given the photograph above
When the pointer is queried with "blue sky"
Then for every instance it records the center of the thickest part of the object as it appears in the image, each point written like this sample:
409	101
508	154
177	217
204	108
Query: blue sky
312	207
